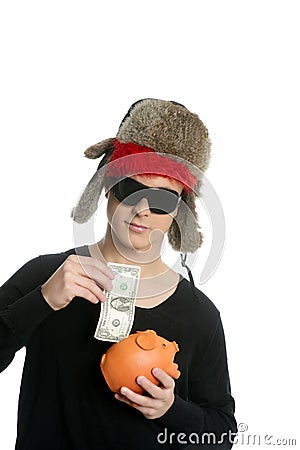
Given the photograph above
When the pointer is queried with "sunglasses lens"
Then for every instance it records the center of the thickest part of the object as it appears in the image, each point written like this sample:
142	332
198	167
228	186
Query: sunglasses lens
160	200
125	192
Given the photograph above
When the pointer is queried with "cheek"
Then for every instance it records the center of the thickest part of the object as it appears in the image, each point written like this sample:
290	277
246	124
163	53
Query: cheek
112	206
109	211
116	213
163	223
112	212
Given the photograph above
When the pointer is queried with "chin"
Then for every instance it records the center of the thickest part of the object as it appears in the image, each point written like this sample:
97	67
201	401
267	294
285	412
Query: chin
153	247
125	242
140	244
141	248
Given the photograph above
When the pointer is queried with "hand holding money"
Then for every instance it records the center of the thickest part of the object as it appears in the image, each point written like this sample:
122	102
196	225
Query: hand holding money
78	276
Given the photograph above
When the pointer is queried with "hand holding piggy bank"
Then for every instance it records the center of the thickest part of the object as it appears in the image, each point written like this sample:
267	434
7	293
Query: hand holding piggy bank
137	355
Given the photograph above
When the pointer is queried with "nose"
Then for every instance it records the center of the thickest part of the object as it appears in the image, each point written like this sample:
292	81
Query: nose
142	207
176	346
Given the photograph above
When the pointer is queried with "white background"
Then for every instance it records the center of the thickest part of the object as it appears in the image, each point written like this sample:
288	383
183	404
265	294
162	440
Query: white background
69	72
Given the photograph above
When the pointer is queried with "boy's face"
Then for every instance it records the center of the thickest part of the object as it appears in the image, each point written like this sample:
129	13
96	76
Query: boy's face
136	226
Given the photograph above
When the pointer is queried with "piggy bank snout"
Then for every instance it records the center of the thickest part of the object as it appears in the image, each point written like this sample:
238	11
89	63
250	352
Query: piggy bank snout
175	345
172	346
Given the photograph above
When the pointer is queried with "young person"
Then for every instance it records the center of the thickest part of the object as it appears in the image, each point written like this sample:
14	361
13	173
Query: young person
151	174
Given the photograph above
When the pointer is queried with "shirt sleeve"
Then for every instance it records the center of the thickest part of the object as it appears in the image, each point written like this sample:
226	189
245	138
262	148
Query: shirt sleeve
207	416
22	308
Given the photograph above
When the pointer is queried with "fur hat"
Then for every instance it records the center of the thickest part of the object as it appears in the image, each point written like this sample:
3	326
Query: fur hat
170	131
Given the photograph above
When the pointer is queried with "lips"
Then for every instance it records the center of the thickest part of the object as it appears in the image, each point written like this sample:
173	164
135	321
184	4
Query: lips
137	227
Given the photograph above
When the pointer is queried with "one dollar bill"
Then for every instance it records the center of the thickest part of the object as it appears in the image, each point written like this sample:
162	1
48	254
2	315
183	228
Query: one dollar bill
117	312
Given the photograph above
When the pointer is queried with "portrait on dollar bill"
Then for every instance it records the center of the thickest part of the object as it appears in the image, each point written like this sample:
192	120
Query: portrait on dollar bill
69	308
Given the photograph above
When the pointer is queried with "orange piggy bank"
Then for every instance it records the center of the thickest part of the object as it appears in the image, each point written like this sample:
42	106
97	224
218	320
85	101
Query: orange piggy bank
137	355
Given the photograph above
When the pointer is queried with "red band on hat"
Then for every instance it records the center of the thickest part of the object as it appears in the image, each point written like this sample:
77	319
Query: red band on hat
151	163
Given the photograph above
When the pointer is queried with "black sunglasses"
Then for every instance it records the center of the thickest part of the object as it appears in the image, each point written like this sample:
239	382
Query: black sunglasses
160	200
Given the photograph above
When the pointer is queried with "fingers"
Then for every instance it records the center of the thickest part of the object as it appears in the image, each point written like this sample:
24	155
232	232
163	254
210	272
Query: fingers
164	378
88	261
155	391
124	399
92	268
87	294
90	272
95	293
150	407
133	399
161	397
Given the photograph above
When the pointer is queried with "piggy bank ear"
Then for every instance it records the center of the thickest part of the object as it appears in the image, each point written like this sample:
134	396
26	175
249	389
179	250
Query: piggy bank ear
146	341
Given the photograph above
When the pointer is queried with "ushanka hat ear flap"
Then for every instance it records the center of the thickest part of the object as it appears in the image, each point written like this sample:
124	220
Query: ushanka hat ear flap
89	199
184	234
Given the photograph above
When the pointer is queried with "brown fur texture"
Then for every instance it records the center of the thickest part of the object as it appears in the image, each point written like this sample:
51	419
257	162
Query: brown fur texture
95	151
89	199
166	128
184	234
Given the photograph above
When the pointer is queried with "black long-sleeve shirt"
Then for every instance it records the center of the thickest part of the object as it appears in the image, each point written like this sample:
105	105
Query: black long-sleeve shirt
64	401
